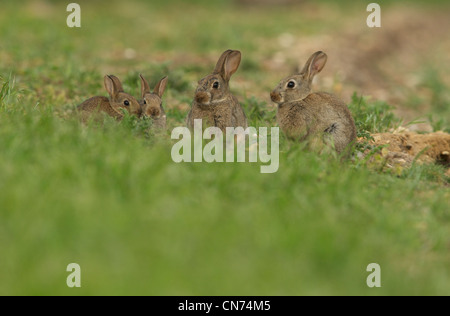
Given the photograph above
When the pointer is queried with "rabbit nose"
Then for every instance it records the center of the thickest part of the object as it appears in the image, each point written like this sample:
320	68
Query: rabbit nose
202	97
275	96
153	112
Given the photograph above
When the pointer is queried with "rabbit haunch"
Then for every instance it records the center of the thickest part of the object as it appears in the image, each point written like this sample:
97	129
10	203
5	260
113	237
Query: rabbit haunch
213	151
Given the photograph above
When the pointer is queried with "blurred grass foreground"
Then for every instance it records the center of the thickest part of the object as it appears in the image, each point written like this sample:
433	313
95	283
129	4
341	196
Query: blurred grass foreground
109	197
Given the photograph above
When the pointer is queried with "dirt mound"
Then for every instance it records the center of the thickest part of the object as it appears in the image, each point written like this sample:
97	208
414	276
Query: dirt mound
405	147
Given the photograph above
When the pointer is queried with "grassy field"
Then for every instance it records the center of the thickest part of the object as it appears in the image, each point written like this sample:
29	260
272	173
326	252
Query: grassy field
110	198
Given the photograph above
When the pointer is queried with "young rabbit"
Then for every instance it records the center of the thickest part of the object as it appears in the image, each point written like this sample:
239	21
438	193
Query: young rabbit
151	102
302	114
118	100
213	102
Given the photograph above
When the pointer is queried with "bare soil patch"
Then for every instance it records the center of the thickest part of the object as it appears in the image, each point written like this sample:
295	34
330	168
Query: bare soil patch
406	147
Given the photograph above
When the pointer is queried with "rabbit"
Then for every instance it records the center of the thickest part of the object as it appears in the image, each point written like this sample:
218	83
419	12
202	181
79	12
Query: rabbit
302	114
151	102
118	100
213	102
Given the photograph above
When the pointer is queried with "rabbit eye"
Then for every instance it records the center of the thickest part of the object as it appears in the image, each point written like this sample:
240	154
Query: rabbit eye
216	85
291	84
126	102
145	102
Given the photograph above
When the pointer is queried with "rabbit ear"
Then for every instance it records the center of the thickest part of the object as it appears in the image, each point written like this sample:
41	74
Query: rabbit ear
145	88
161	86
314	65
117	83
228	64
221	62
113	85
231	65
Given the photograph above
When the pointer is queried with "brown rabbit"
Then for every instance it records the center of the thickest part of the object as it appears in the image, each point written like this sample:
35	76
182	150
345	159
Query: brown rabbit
302	114
151	102
213	102
118	100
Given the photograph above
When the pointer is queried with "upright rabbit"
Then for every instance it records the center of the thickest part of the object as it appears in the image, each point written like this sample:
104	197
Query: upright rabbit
151	102
118	100
213	101
303	114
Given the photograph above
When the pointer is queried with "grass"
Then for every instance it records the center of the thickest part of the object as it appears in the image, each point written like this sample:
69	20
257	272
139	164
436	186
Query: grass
109	197
139	224
440	103
372	117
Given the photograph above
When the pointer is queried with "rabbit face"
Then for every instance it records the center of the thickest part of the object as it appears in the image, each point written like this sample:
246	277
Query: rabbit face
214	88
118	98
127	102
152	101
211	89
291	89
298	87
152	106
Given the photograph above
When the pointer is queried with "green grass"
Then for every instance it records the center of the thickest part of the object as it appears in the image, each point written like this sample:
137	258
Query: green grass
440	100
109	197
372	117
138	223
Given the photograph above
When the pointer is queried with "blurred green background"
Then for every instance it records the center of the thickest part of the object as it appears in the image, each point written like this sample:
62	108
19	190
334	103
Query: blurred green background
110	198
